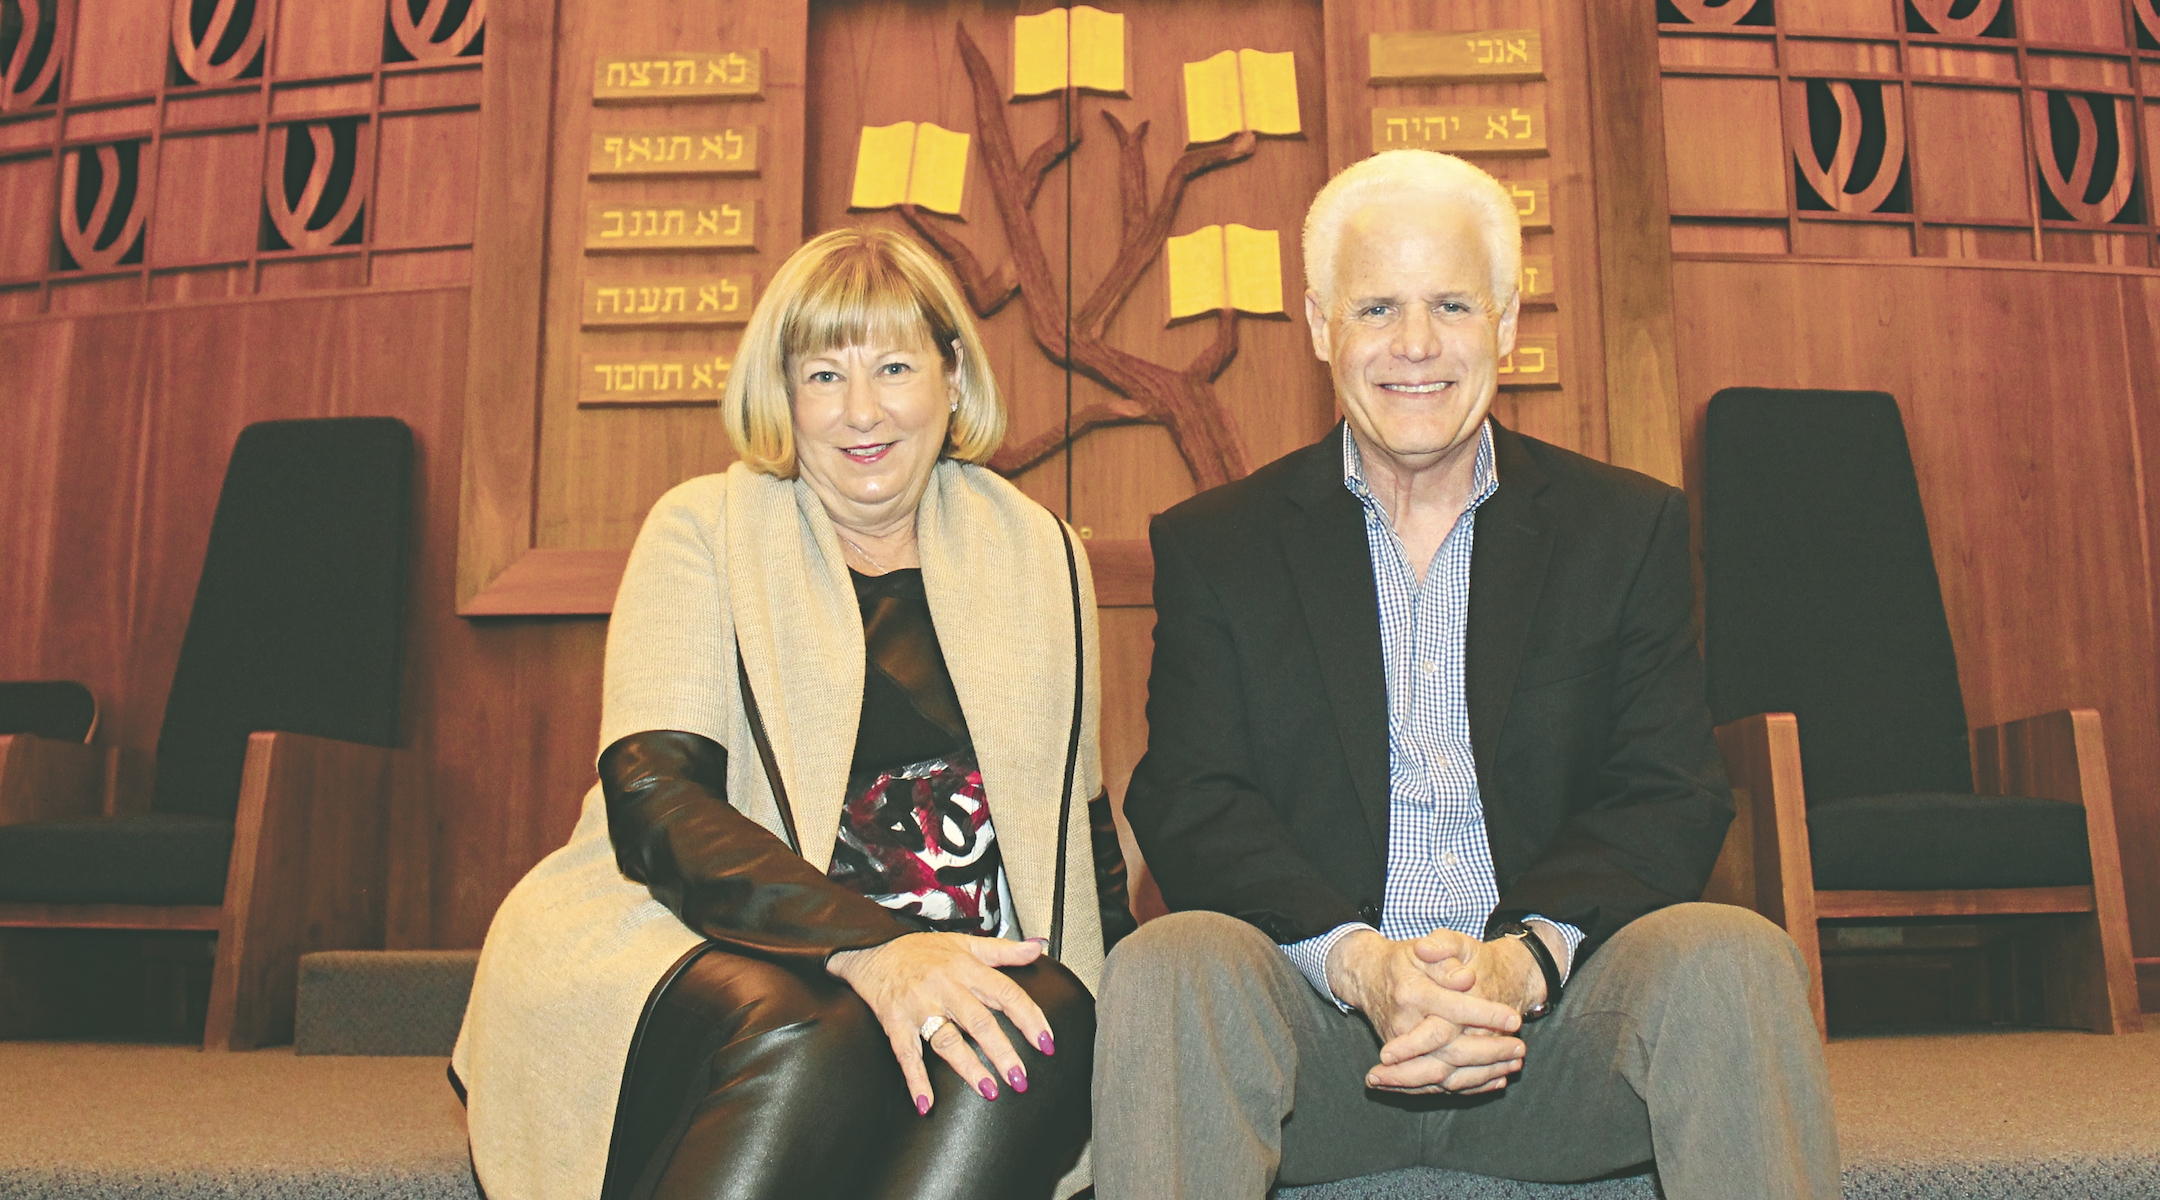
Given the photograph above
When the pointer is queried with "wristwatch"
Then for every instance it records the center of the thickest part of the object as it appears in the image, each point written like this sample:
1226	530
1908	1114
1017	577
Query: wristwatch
1546	966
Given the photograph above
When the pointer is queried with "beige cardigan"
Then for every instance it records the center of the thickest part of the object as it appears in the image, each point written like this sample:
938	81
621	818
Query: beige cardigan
576	948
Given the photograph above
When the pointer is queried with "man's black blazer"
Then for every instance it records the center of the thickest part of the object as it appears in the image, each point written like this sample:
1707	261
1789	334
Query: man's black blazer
1264	790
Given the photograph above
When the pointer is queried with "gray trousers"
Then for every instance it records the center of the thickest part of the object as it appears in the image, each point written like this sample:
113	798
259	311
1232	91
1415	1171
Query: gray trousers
1686	1039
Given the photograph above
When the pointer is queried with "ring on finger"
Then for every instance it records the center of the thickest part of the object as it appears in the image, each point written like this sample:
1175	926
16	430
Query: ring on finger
932	1024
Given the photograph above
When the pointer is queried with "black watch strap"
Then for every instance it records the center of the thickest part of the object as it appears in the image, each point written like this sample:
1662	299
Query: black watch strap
1546	966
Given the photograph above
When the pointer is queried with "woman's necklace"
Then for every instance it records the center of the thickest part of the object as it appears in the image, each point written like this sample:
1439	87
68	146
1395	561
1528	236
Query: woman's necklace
864	554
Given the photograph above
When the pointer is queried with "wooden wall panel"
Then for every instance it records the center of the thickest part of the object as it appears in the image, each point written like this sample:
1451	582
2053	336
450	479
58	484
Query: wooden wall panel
26	184
2033	468
1842	16
1724	146
120	48
1969	149
426	180
204	180
2096	23
321	37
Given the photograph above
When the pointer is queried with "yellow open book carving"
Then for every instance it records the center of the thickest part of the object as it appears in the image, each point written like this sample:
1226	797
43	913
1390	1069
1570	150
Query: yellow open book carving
1239	90
910	163
1224	266
1086	45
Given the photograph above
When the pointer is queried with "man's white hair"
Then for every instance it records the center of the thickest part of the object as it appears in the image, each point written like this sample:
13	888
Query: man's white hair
1417	173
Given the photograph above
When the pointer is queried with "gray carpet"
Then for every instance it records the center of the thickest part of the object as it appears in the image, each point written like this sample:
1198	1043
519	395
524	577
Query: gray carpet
1995	1116
101	1122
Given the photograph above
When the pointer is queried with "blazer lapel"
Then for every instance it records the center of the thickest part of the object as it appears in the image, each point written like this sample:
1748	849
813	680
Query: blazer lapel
1331	565
1508	560
800	630
1002	602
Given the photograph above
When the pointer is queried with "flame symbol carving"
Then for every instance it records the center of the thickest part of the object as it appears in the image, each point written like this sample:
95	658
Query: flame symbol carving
89	243
2071	192
23	83
293	219
419	38
195	57
1972	24
1715	12
1829	183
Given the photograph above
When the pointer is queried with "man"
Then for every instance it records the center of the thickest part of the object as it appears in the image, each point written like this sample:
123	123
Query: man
1430	782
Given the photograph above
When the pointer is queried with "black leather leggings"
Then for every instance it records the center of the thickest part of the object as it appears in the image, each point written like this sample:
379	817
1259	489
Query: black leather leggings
749	1081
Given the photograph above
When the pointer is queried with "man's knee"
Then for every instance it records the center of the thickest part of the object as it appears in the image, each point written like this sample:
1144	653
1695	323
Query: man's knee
1699	940
1182	946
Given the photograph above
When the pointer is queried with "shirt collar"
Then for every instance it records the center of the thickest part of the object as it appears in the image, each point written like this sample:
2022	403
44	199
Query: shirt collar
1484	475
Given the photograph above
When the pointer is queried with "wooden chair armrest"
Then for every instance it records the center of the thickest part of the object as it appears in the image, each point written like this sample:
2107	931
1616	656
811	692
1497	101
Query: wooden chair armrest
44	780
1769	839
2060	755
1767	860
307	873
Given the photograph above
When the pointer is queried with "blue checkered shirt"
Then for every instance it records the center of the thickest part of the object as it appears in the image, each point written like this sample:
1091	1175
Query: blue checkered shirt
1439	868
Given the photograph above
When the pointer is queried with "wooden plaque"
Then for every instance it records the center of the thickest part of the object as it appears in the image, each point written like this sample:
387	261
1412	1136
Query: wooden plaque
678	302
1537	279
631	378
1478	56
680	75
729	151
1533	201
1535	364
1461	129
632	225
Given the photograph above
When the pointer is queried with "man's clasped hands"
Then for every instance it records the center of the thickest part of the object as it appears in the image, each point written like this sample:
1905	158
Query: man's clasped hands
1446	1007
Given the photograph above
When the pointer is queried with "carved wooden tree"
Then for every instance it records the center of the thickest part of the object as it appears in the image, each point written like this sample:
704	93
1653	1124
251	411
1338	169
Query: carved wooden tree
1183	401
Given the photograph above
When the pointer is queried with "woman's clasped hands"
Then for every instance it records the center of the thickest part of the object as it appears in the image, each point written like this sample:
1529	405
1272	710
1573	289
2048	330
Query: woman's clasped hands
911	980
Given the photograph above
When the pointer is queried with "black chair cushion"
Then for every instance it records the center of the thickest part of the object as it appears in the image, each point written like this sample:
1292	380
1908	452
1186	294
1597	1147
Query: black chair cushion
1924	841
156	858
60	709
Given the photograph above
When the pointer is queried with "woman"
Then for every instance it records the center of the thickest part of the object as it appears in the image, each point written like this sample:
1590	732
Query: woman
828	925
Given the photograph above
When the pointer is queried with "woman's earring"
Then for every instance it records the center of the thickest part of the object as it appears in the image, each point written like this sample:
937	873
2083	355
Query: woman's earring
955	407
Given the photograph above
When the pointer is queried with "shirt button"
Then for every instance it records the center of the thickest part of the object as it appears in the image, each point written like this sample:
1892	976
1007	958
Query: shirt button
1448	858
1426	665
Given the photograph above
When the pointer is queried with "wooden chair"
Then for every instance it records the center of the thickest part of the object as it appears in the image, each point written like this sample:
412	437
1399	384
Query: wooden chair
1861	796
268	818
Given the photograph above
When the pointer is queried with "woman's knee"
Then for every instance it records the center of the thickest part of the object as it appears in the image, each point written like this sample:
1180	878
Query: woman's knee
1065	1001
788	1013
1069	1010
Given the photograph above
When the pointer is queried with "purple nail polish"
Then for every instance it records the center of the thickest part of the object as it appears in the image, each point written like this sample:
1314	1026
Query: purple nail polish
1043	1042
988	1088
922	1106
1018	1078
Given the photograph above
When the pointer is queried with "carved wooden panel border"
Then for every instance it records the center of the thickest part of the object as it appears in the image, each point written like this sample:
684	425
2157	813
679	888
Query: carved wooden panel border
2001	131
203	149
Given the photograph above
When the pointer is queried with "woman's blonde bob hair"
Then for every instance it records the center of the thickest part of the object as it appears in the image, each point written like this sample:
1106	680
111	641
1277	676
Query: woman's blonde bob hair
856	287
